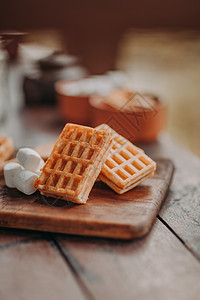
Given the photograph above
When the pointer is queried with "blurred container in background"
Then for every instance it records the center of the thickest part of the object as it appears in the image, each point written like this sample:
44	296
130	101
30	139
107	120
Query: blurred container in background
73	96
39	79
72	108
138	117
3	83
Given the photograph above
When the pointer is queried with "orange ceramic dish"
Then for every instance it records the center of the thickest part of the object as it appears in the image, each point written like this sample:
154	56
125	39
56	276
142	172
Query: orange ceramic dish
72	108
137	125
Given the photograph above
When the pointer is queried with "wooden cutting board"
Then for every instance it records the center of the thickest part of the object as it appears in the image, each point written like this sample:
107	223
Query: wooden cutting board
106	213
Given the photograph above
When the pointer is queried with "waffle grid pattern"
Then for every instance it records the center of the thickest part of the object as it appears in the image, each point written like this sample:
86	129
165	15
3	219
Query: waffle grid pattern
125	163
74	159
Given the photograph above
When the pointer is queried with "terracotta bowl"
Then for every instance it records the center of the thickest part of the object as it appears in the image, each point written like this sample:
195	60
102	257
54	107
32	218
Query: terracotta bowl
141	125
74	108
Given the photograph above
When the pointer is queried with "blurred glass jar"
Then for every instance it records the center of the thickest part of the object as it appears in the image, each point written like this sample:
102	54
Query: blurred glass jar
3	82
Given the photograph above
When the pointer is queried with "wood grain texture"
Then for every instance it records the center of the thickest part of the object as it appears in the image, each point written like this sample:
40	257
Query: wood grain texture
153	268
9	236
106	214
36	271
181	210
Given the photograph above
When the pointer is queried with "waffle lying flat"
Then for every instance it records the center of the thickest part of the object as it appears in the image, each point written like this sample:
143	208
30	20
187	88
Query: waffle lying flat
126	165
75	163
6	148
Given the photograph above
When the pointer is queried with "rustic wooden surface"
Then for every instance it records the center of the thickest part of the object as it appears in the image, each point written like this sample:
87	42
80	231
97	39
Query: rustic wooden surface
165	264
181	211
36	266
155	267
106	214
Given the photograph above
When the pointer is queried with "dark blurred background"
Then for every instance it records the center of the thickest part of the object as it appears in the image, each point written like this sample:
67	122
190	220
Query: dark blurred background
156	42
93	29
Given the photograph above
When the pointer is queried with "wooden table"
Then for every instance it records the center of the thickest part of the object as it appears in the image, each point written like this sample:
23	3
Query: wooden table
162	265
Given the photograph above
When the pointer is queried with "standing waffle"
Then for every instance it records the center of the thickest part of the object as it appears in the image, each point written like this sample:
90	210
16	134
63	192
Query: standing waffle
6	148
126	165
75	163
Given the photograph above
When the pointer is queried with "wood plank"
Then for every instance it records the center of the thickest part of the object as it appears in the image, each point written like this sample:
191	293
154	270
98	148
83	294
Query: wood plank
9	236
181	210
105	214
36	271
153	268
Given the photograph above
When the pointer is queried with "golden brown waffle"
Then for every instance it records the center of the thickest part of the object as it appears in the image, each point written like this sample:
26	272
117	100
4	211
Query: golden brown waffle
126	165
75	163
6	148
